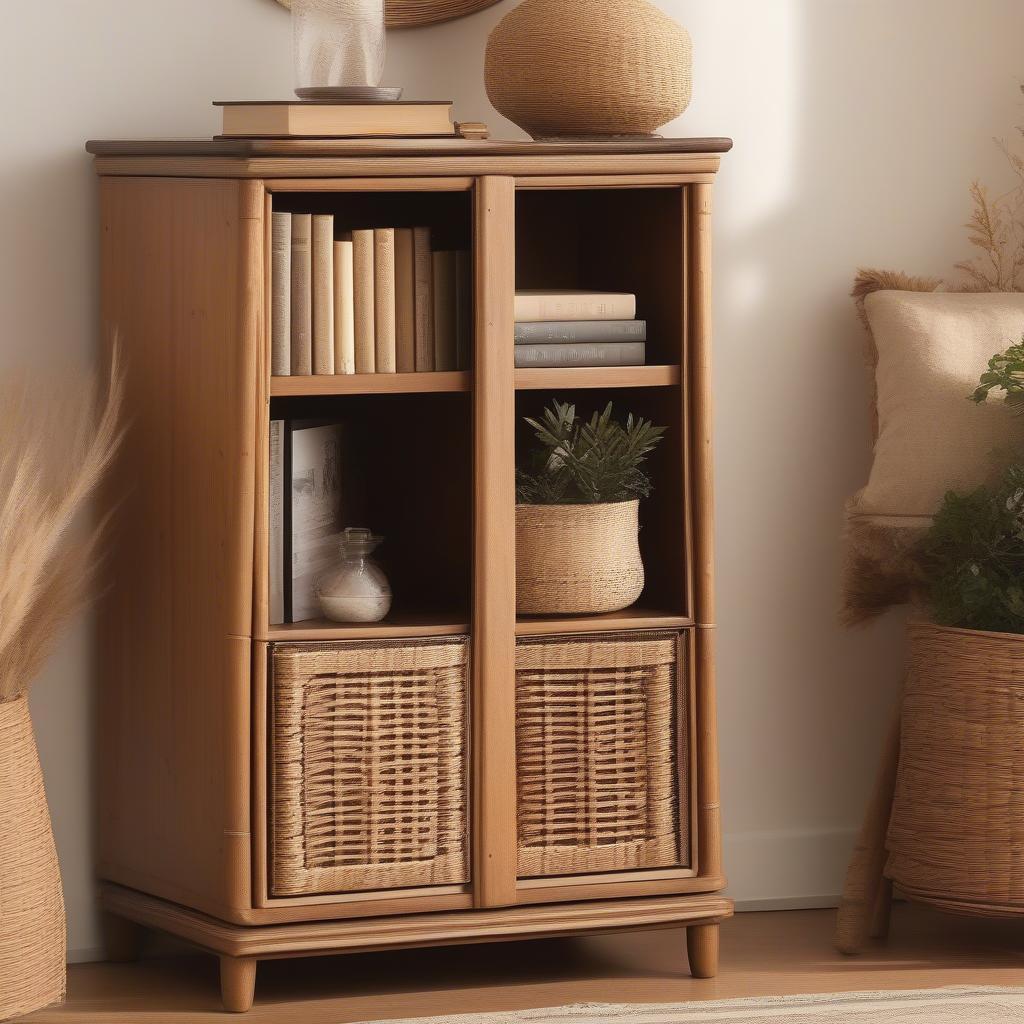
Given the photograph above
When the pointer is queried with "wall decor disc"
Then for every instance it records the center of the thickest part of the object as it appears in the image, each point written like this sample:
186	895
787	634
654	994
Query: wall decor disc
411	13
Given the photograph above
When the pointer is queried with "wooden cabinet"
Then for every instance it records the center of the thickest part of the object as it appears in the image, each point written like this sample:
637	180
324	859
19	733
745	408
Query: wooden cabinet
558	774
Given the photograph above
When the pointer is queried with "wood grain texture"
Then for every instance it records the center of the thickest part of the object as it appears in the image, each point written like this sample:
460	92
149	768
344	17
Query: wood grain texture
182	282
478	925
237	983
493	736
702	950
547	379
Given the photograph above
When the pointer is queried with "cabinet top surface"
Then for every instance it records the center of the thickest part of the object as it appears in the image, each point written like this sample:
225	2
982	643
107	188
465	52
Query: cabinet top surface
431	147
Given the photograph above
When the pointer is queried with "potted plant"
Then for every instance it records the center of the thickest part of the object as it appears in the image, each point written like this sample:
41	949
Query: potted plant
956	834
577	512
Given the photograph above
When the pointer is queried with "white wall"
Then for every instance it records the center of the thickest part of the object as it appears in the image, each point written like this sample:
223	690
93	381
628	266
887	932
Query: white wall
858	126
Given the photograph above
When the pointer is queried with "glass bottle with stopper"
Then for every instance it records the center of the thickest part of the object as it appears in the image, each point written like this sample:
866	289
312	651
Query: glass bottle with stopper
339	50
356	589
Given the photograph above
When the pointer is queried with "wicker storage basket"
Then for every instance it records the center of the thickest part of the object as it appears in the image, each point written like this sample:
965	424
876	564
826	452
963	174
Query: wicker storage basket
956	835
577	559
32	929
600	735
590	67
369	769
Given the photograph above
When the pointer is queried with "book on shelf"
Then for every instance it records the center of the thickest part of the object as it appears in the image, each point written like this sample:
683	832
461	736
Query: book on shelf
305	514
336	119
323	293
363	302
463	309
423	271
405	301
535	304
344	314
275	532
280	294
445	311
606	353
549	332
384	299
302	294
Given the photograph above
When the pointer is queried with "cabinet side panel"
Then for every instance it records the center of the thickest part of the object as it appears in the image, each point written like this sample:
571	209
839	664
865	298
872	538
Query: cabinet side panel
182	290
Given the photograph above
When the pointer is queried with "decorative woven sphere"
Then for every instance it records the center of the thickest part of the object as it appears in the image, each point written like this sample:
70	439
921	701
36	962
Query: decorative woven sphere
588	67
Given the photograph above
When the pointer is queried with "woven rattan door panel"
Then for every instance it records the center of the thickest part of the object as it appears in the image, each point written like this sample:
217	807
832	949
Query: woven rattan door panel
368	776
600	738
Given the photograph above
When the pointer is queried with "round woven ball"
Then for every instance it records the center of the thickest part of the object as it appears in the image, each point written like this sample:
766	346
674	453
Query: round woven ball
410	13
588	67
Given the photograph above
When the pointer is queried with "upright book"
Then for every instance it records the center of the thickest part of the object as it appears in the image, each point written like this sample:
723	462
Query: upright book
323	293
344	313
275	556
362	300
384	299
423	271
334	119
281	295
405	301
302	294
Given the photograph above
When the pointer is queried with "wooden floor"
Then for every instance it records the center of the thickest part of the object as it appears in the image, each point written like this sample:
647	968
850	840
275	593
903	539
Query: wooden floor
762	954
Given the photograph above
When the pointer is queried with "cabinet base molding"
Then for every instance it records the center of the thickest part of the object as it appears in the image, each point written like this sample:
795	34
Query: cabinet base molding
264	942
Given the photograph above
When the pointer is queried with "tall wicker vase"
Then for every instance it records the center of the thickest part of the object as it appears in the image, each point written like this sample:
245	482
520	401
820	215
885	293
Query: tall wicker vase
577	559
956	834
32	928
588	68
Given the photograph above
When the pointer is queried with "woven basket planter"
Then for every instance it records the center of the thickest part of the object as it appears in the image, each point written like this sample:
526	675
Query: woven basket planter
577	559
956	835
599	728
369	766
588	68
32	927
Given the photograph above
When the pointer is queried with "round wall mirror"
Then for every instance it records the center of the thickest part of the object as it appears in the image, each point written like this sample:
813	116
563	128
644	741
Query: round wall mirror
410	13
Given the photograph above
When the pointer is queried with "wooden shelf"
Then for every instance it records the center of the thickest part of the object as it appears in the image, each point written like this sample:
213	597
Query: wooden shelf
371	384
597	377
398	624
637	617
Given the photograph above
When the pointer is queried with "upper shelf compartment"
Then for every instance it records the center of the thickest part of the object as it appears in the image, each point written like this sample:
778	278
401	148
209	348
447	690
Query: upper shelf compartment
612	240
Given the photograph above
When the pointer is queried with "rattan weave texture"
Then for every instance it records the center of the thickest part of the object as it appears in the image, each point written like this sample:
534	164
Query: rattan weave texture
957	825
369	781
598	730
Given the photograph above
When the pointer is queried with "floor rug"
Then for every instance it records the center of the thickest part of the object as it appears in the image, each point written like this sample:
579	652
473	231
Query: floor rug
960	1005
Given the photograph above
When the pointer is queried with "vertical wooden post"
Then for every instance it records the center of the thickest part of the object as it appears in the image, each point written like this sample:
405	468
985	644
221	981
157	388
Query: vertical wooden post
494	568
709	826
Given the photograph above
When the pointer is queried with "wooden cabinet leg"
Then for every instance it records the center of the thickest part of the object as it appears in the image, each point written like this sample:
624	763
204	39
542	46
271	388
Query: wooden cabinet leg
702	949
237	982
122	939
882	911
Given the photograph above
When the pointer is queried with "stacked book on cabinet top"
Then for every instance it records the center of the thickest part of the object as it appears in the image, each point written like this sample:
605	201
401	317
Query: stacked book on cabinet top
556	328
369	300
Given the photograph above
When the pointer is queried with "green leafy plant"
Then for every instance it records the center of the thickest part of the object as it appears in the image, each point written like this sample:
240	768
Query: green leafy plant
1005	373
587	462
972	558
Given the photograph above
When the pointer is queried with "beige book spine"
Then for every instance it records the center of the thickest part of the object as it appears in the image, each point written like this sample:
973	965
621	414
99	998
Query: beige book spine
344	314
405	302
464	308
445	315
384	298
362	300
537	306
323	293
281	295
424	274
302	295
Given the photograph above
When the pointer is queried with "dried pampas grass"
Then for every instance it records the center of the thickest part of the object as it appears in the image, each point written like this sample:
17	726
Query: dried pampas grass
59	439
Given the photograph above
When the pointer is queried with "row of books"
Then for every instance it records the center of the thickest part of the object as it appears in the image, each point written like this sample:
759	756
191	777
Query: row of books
305	525
558	328
371	300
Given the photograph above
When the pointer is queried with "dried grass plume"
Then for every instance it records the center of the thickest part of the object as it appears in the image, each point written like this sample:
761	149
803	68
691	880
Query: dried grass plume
59	439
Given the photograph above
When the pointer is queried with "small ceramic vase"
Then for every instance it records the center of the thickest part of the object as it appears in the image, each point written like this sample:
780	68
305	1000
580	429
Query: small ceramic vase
356	589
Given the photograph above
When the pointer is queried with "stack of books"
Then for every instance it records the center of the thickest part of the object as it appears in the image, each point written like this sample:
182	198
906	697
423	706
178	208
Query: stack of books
337	119
372	300
556	328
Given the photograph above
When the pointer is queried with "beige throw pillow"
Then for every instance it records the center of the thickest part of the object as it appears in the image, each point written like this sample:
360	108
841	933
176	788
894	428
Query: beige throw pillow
931	349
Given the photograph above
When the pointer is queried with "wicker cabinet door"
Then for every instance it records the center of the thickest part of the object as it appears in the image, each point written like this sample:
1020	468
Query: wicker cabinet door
368	776
600	753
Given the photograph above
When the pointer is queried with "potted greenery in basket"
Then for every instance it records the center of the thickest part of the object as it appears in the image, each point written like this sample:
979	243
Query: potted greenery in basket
577	513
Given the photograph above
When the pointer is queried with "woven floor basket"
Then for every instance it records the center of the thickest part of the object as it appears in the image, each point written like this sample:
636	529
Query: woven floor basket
369	769
598	733
577	559
588	67
32	928
957	826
